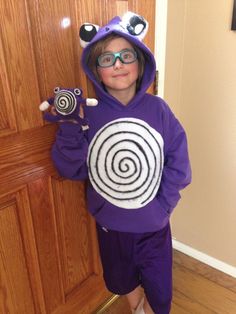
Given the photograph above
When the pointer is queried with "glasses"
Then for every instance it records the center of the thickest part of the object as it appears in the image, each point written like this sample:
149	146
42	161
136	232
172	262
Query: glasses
108	59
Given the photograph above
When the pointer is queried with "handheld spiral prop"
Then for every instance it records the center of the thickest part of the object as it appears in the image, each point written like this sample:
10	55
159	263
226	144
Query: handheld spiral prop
67	102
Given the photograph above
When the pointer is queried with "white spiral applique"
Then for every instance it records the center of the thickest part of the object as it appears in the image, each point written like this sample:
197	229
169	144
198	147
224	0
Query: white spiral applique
125	162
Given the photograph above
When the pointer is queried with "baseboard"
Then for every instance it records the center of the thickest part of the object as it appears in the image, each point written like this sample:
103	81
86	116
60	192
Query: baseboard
204	258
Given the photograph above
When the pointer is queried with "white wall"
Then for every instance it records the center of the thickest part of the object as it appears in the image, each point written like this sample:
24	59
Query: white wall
200	87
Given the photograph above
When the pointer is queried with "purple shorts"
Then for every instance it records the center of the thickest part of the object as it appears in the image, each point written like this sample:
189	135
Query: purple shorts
133	259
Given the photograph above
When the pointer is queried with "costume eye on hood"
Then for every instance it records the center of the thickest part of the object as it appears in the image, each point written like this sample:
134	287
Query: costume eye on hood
131	24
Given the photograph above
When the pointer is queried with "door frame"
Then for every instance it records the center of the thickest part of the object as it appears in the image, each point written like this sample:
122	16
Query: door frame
160	42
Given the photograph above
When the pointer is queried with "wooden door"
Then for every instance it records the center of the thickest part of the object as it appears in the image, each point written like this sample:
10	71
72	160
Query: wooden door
48	251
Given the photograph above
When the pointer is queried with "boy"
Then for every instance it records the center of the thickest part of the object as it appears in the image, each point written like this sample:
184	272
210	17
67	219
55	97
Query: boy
135	157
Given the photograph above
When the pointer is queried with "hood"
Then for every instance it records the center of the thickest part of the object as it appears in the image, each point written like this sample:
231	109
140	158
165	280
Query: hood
132	27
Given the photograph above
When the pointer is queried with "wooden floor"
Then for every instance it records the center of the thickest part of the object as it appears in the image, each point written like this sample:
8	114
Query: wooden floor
198	289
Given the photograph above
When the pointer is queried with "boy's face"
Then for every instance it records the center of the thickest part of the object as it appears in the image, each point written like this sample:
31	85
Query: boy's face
120	76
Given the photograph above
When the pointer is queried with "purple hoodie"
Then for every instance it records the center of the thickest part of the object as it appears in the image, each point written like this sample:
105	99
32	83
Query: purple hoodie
135	157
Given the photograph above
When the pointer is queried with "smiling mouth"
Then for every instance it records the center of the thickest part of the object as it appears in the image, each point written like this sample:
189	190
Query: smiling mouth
120	75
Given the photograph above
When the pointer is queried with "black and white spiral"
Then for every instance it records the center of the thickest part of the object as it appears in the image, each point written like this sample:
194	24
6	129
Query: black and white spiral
125	162
65	102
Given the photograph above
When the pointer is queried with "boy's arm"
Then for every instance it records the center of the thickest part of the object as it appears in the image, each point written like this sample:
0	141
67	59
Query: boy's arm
177	170
69	151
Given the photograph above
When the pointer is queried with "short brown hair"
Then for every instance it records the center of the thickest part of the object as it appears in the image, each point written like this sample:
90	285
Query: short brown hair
99	47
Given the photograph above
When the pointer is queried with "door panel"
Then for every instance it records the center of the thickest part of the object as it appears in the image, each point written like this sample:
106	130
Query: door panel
74	232
49	261
16	294
45	229
18	59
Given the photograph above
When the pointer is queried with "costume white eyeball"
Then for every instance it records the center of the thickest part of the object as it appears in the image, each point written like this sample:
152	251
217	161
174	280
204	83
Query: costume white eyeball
77	91
87	32
56	90
135	24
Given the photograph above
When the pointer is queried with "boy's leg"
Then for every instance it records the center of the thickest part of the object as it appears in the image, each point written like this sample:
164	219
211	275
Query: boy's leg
120	272
147	308
155	256
134	297
138	303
